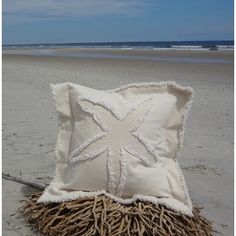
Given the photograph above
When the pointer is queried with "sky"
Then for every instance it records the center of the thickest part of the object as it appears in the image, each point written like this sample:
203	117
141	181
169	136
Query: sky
73	21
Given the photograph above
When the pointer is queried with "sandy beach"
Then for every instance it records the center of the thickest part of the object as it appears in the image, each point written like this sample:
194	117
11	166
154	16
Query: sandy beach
30	120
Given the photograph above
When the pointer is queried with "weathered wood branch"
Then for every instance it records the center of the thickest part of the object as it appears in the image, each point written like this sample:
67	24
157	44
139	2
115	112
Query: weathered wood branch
23	181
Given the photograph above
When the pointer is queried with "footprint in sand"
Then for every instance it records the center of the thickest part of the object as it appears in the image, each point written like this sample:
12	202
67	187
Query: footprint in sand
204	169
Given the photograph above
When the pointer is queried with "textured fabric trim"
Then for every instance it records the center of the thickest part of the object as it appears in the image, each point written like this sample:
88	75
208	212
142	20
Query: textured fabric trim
64	121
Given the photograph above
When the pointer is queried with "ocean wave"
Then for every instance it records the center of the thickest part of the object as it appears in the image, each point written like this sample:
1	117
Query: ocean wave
186	46
191	46
225	47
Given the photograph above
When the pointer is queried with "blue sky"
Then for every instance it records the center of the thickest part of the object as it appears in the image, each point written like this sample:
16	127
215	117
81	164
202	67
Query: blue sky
48	21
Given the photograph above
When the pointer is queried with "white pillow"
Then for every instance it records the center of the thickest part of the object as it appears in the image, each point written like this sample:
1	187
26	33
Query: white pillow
122	143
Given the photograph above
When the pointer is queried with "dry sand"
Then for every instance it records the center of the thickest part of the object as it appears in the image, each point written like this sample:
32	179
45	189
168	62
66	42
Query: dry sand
30	123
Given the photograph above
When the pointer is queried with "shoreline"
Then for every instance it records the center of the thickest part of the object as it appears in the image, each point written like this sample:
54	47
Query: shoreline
178	56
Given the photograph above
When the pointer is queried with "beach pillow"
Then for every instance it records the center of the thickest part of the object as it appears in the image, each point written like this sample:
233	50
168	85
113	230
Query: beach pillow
122	143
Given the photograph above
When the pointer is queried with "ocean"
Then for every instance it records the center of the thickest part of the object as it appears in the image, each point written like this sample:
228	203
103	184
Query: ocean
168	45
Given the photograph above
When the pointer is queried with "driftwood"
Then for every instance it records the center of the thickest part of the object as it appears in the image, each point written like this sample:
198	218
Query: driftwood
22	181
102	216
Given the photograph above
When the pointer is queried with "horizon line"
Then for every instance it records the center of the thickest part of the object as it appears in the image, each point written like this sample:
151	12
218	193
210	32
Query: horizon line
100	42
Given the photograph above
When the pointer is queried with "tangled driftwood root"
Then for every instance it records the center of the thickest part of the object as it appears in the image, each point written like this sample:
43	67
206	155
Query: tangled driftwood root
102	216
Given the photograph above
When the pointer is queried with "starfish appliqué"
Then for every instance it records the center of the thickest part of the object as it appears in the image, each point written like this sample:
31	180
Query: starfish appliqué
117	132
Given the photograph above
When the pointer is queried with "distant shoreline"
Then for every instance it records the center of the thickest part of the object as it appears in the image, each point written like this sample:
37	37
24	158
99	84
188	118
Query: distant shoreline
172	56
